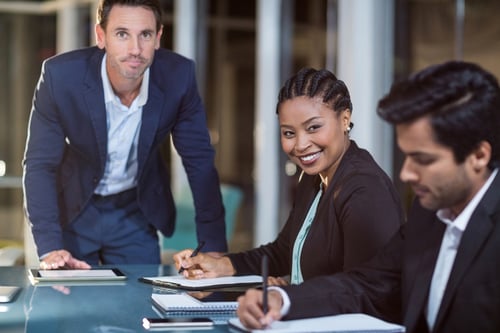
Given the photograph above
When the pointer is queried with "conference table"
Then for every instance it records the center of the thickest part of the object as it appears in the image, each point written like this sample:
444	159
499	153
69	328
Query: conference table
98	307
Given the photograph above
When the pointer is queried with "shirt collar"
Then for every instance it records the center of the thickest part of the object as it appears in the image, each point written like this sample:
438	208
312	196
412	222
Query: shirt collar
463	218
109	94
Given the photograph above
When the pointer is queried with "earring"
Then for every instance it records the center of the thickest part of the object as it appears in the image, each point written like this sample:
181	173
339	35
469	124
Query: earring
349	128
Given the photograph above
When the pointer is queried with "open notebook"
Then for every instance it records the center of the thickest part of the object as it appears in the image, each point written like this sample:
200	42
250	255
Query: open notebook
354	322
180	282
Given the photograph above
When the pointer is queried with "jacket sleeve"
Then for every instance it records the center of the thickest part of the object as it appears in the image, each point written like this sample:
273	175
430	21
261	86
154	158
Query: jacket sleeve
192	142
44	152
277	251
373	288
369	213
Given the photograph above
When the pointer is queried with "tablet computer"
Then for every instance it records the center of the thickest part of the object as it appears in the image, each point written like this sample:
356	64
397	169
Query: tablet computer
8	293
76	275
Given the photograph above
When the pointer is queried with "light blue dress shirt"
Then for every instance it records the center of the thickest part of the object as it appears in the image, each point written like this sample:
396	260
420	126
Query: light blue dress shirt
296	275
123	124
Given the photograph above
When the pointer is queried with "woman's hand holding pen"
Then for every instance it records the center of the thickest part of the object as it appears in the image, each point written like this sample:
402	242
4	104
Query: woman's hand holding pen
203	265
250	309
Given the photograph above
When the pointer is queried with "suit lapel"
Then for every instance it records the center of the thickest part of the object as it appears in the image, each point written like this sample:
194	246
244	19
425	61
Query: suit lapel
429	238
475	235
94	97
150	119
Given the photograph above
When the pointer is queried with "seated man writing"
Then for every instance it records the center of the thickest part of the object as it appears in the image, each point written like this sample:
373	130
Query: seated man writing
439	273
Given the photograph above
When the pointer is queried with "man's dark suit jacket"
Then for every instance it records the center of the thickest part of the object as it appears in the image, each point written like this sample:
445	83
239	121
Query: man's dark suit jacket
395	284
67	145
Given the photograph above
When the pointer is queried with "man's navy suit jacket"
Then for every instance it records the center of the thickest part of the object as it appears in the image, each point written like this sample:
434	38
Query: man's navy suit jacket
395	284
67	146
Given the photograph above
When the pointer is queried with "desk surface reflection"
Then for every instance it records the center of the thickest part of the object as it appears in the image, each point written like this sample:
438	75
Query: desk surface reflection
114	307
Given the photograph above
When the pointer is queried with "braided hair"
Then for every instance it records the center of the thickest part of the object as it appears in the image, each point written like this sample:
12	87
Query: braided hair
321	84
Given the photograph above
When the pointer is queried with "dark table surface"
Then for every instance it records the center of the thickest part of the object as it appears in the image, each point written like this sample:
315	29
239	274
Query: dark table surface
108	307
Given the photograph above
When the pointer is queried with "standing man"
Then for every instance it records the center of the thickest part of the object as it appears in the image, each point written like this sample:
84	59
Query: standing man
96	187
441	272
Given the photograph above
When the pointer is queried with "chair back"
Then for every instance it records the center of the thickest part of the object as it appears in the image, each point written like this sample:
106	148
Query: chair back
185	227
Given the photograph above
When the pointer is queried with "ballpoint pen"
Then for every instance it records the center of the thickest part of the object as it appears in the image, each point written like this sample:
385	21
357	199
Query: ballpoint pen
265	273
193	254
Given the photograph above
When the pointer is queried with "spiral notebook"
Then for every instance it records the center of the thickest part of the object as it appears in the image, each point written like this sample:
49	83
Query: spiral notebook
219	318
183	303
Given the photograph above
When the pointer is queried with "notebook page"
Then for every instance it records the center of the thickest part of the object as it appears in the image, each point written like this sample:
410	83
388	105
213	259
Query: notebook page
209	282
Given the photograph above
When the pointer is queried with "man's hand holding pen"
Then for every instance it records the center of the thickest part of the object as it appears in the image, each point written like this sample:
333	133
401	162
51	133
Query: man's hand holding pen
259	308
250	308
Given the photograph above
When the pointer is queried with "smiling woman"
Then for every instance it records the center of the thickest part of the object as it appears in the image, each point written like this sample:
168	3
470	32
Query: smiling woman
345	206
313	136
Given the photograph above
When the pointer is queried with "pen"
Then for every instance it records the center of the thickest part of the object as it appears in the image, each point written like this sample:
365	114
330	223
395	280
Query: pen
195	252
265	273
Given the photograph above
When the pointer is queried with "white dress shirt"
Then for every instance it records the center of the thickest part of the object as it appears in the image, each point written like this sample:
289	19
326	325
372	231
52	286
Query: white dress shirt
123	124
455	226
446	258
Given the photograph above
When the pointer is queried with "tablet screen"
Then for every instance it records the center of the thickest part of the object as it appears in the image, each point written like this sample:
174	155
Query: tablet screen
77	273
98	274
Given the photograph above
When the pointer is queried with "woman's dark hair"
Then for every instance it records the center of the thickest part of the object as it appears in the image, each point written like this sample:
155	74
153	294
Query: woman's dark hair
462	101
105	7
314	83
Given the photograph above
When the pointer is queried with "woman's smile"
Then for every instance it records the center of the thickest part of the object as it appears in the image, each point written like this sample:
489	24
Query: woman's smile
310	158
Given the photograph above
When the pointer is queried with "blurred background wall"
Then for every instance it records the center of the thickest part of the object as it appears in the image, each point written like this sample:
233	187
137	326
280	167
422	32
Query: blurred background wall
244	50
